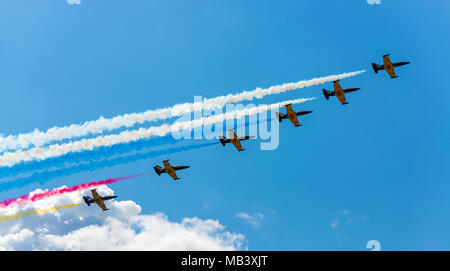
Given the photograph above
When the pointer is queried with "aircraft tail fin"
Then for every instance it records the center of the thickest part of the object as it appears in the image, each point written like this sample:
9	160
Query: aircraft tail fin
222	140
326	93
278	114
158	170
376	67
87	200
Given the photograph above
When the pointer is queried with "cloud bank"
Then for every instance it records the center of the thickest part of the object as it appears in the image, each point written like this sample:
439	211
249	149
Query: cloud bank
121	228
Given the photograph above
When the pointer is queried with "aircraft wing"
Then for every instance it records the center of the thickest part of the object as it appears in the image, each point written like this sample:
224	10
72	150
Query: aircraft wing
170	170
391	72
386	61
337	86
294	120
289	109
98	200
388	66
339	93
237	144
341	98
95	195
235	140
173	174
291	115
166	164
232	134
101	204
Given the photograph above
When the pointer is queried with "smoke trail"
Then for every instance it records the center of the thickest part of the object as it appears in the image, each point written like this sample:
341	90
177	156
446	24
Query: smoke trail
83	156
42	177
62	190
37	211
40	138
12	158
98	154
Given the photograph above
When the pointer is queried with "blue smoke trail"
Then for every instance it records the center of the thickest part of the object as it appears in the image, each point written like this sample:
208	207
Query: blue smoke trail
85	155
90	155
42	177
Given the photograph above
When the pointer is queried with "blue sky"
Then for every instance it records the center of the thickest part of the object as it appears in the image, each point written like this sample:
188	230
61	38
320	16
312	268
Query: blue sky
374	169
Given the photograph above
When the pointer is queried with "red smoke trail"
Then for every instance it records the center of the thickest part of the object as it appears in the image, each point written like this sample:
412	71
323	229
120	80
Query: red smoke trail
59	191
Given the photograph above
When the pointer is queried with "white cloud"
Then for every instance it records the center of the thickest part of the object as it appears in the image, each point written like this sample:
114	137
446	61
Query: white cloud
15	240
335	223
121	228
343	218
254	220
72	2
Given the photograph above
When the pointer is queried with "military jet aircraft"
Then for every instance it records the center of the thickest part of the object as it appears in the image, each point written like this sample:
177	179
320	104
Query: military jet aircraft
338	92
388	66
97	199
291	115
235	140
169	169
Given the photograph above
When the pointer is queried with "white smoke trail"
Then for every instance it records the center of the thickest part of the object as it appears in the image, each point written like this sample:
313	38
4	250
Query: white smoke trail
42	153
40	138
